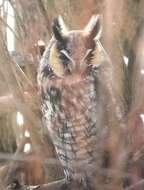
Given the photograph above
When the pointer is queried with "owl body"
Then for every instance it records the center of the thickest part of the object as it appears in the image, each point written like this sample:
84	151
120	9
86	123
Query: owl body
72	102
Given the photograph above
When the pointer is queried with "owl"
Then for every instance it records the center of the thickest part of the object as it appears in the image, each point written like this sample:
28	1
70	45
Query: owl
72	94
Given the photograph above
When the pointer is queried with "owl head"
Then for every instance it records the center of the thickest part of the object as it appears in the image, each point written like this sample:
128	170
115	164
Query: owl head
75	51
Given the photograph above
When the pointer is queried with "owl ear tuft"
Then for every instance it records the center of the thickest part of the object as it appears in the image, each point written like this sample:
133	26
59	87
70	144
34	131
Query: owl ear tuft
59	28
94	27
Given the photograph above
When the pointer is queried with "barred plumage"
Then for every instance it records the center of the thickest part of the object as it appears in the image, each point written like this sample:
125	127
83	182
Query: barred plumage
72	101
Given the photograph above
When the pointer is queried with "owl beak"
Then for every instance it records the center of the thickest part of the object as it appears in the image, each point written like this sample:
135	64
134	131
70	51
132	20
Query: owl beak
72	67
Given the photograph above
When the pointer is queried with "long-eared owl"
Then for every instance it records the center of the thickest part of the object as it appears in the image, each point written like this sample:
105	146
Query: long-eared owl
72	96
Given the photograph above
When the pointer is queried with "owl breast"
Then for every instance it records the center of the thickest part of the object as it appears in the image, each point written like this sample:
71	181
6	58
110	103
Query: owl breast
71	112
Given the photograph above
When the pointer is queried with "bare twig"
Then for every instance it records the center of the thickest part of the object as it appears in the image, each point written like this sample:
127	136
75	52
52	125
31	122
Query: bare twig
44	13
3	22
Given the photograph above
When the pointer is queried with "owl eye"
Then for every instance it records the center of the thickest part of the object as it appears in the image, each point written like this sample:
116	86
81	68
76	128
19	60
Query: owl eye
63	57
68	58
65	54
